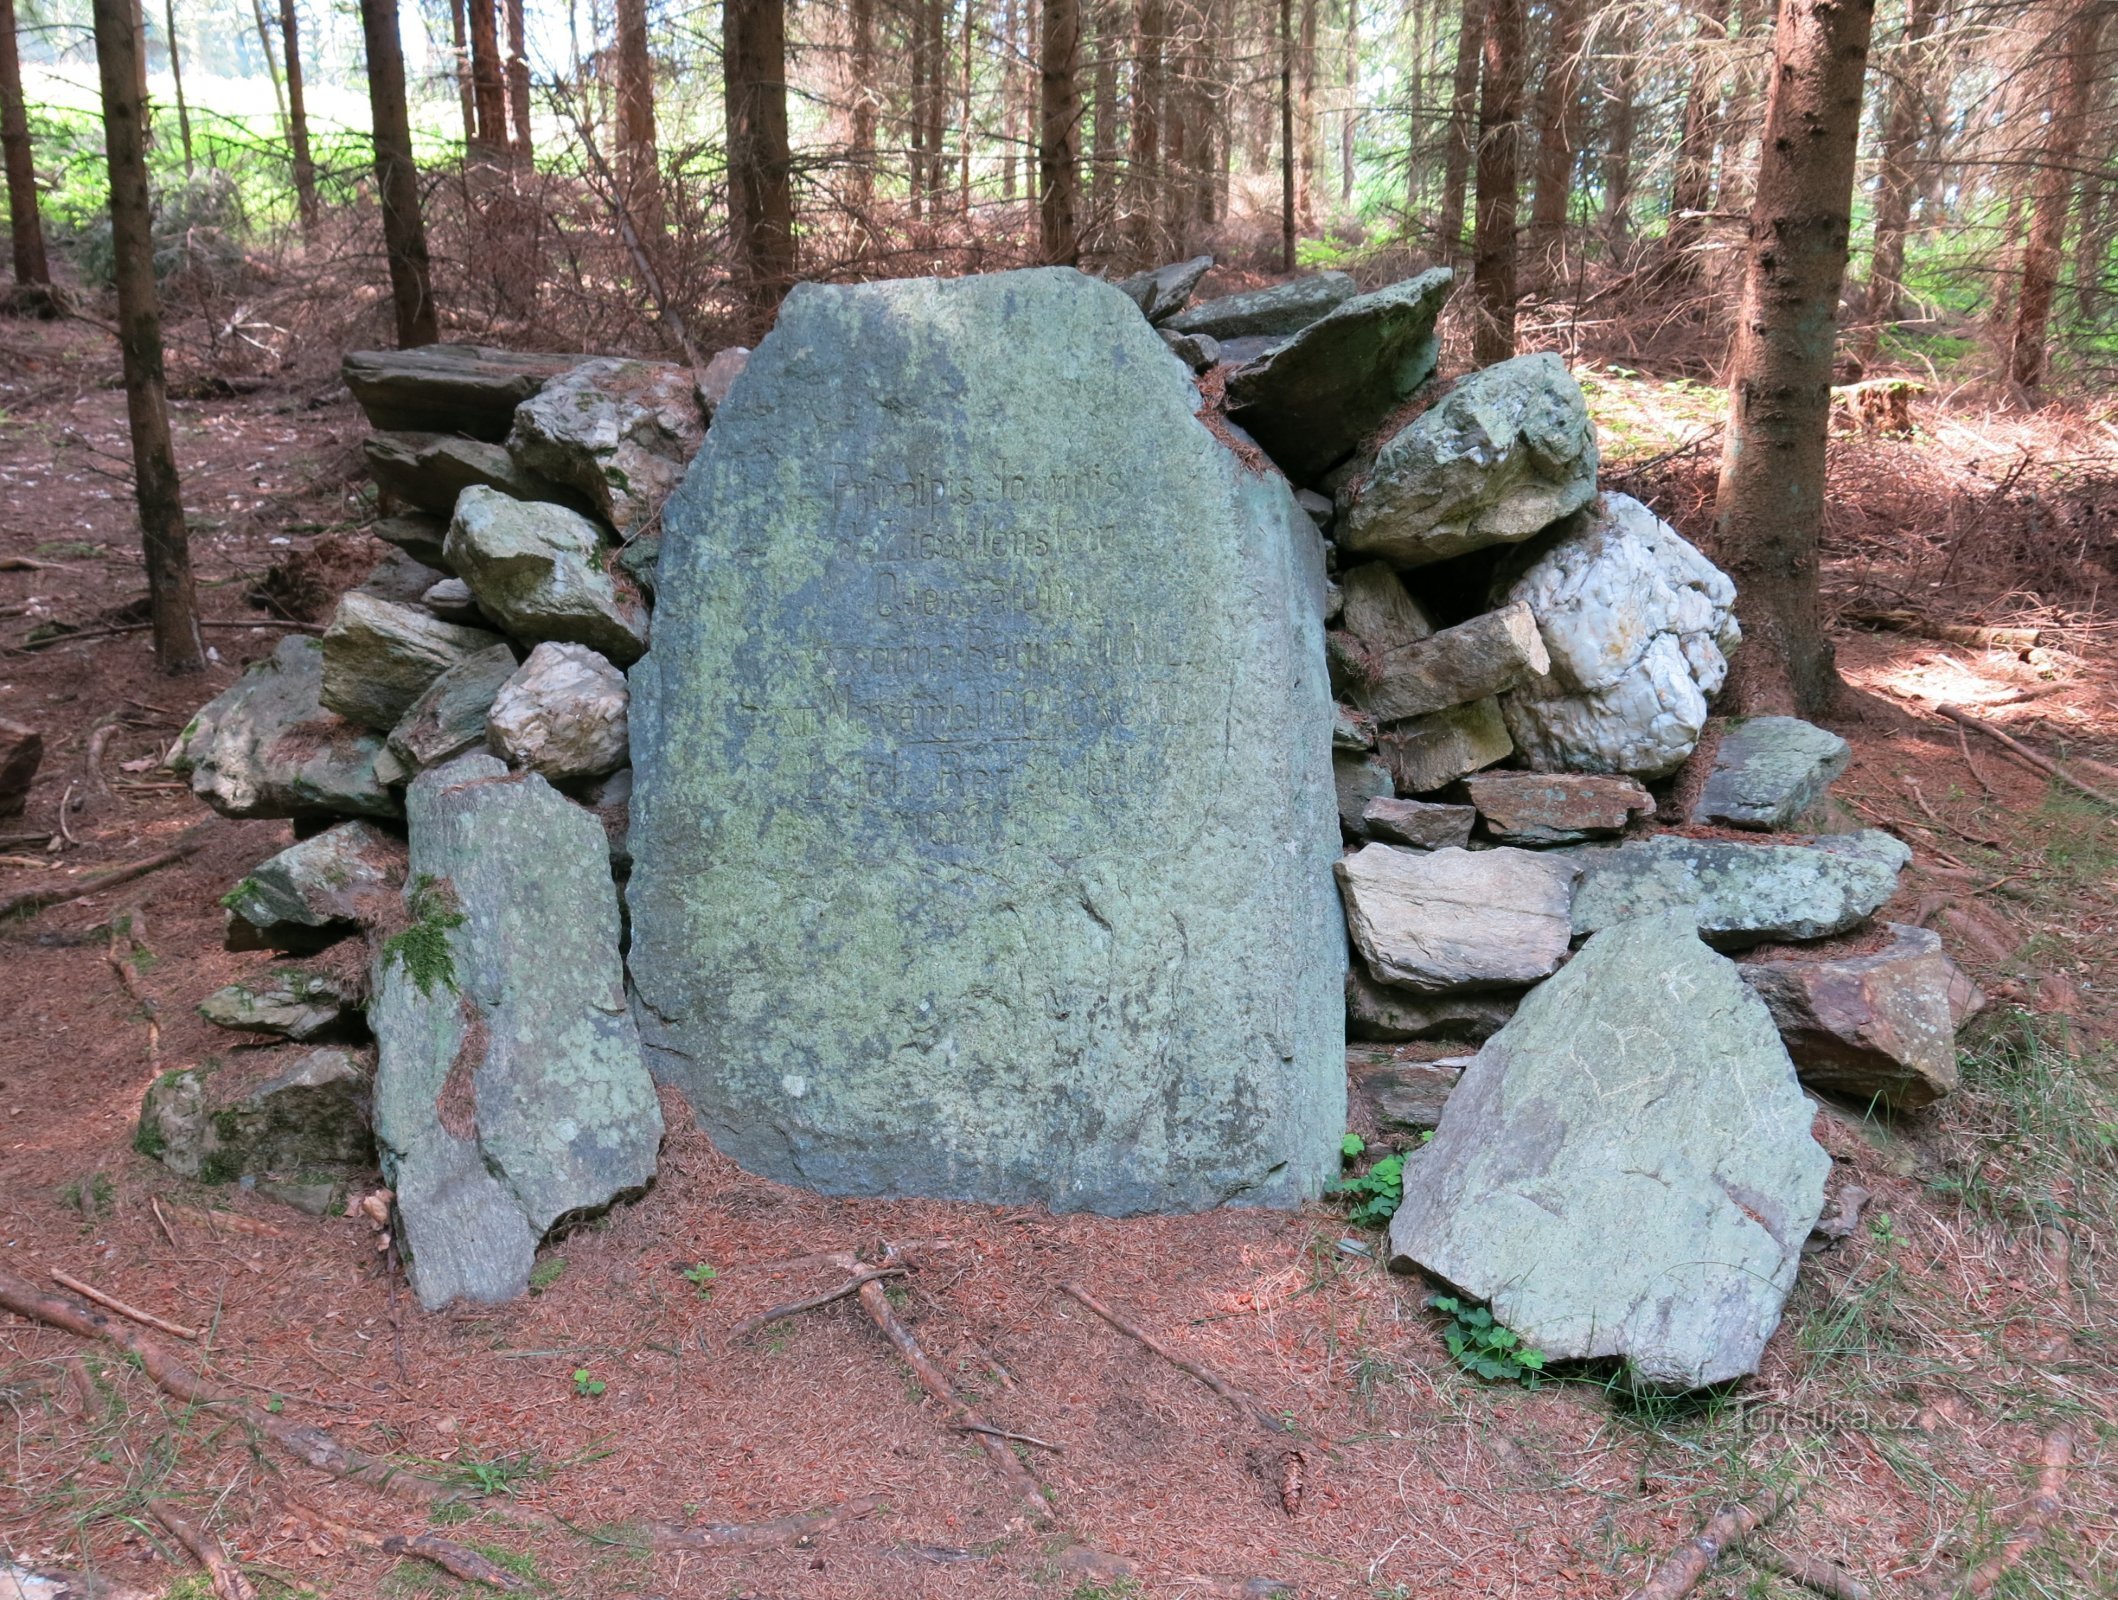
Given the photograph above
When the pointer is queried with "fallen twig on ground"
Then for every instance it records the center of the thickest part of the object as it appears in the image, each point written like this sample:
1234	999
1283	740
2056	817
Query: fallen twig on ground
773	1534
56	894
1963	743
228	1580
1680	1571
1811	1572
126	945
2046	1505
145	627
147	1319
1947	632
1018	1438
1238	1398
2015	747
458	1560
1919	799
793	1307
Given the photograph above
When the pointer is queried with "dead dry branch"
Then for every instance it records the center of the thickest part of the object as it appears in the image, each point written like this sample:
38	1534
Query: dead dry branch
1679	1572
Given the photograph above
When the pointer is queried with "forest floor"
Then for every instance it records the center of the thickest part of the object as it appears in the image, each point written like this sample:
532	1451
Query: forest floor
1924	1363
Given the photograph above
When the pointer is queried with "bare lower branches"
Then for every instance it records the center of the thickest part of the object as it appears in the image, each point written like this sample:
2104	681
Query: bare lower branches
1238	1398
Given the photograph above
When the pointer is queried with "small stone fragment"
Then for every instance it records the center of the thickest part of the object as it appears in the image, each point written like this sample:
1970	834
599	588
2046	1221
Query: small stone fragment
562	713
315	891
1556	807
538	570
1502	456
1359	780
418	535
452	601
1471	661
430	470
379	657
1626	1169
1874	1028
620	432
1404	1096
1422	824
1278	311
1741	894
278	1112
1379	612
1351	730
1161	292
1767	771
400	578
1443	920
1432	752
292	1003
449	717
1376	1011
21	753
1197	351
1318	506
719	377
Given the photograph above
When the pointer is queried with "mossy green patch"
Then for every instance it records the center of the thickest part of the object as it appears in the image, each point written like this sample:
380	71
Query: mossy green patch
423	947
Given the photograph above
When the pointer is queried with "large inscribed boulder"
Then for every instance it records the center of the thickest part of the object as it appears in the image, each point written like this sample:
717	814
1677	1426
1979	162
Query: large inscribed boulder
983	813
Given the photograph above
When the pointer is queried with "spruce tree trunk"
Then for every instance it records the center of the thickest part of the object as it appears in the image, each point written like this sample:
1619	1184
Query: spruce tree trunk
1557	138
1287	160
176	79
25	222
1305	118
1624	117
1499	173
1463	129
404	233
1904	129
264	45
461	49
1691	181
1144	163
162	534
639	163
761	196
1058	134
1010	127
2074	73
1103	150
297	116
861	188
1771	498
518	84
1349	119
488	83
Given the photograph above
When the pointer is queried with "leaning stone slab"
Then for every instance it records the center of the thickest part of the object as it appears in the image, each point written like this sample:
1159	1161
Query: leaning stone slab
562	714
1439	921
380	656
1767	771
1741	894
1555	807
1376	1011
619	432
1626	1169
1377	611
430	470
1874	1028
419	535
292	1003
719	377
1405	1096
538	571
1358	780
315	891
449	717
1432	752
452	601
1422	824
285	1113
1161	292
1310	402
1283	309
1498	459
931	772
1471	661
1638	625
509	1088
266	747
448	388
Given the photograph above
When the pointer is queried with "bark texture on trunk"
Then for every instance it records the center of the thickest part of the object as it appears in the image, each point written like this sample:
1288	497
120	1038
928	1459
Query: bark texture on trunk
1144	168
1103	151
760	186
404	233
1558	136
1692	179
1287	195
488	83
1305	116
1463	128
639	165
861	188
2073	73
1499	172
460	45
1904	130
176	79
1058	134
1771	497
24	220
297	117
518	84
162	534
1623	119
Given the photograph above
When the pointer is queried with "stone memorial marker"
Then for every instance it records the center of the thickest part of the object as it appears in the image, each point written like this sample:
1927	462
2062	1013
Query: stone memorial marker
983	820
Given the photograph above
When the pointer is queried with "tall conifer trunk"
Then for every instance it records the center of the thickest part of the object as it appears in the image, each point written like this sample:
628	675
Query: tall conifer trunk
297	117
404	233
25	222
2074	73
1499	178
761	196
1463	129
1059	133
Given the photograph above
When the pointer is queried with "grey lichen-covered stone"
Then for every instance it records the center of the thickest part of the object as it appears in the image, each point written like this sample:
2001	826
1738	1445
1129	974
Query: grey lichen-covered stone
448	388
509	1090
620	432
1197	351
1767	771
1358	780
1422	824
563	714
945	879
1351	731
449	717
1876	1028
1437	921
284	1112
1432	752
1626	1169
1275	312
1377	611
316	890
1161	292
380	656
1738	893
266	747
452	601
290	1002
1313	399
1638	625
719	377
418	534
1498	459
430	470
1555	807
538	570
1377	1011
1474	660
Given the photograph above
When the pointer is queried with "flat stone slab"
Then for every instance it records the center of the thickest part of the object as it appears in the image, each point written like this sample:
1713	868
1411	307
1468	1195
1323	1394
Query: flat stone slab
1423	824
1377	610
1313	400
1161	292
1376	1011
290	1002
1408	1096
1273	312
1555	807
1431	752
448	388
1877	1029
944	881
510	1091
1767	771
1626	1169
429	470
1741	894
315	890
1489	654
1443	920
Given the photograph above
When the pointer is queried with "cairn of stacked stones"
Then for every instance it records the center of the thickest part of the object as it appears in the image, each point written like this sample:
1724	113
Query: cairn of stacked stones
1000	717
